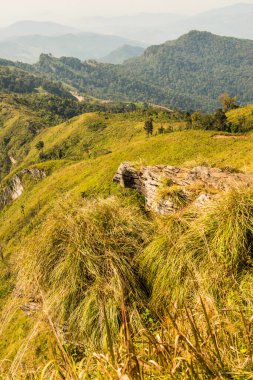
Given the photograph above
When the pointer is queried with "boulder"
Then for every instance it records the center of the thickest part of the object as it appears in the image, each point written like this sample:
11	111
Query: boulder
169	188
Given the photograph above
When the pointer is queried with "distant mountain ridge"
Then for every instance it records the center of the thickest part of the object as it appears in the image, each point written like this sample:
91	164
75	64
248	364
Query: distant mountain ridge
99	37
122	54
27	48
29	27
234	21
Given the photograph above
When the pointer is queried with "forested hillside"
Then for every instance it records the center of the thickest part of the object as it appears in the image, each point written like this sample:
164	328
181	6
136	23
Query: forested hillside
188	73
21	78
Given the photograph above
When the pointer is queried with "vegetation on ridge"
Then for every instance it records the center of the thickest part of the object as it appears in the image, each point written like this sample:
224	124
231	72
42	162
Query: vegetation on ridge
93	285
188	73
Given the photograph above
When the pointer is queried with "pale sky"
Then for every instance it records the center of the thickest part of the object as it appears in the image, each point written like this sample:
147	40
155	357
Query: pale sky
69	10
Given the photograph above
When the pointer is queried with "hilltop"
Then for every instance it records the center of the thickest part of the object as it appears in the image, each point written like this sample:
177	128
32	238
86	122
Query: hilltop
95	38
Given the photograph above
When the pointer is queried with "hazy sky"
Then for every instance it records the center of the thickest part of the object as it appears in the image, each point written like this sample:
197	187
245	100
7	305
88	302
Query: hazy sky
68	10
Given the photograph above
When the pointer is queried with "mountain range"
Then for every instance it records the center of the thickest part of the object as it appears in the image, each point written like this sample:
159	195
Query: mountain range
126	207
234	21
28	48
29	27
188	73
98	38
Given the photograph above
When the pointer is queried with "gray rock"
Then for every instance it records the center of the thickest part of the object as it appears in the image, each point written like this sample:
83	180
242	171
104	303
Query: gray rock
15	188
168	188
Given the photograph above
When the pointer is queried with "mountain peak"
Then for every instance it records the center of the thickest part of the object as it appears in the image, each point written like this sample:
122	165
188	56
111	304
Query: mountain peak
31	27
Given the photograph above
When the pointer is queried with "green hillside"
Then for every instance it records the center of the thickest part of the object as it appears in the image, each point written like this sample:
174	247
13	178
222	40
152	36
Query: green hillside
18	80
22	117
93	285
188	73
200	64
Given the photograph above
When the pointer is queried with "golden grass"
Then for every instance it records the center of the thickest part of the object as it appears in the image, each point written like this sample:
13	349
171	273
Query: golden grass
186	280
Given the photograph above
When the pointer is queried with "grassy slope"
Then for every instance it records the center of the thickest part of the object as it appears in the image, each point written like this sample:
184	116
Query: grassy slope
78	174
243	116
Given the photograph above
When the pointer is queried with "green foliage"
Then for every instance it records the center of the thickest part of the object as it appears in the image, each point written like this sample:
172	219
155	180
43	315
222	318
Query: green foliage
241	118
40	145
13	79
228	102
216	121
148	126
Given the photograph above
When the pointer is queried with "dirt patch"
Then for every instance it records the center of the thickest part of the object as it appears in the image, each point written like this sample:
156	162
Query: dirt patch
238	137
78	97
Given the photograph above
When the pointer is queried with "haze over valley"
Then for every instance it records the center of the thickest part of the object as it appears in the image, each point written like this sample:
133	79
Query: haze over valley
98	37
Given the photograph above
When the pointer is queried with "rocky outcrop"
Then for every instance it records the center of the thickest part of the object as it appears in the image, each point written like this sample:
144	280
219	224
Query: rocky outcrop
169	188
14	188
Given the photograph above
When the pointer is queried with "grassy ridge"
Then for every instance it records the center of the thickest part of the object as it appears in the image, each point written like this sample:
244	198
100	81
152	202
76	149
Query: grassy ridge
56	212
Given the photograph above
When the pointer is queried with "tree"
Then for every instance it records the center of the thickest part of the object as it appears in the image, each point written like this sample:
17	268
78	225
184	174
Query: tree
220	120
148	127
197	120
161	130
40	145
228	103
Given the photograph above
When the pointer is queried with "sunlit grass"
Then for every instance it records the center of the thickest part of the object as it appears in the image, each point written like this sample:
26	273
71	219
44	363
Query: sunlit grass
187	277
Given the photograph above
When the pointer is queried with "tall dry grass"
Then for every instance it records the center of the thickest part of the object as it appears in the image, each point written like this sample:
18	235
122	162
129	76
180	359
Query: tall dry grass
168	298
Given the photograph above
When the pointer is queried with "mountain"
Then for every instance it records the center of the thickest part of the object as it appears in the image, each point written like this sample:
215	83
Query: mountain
83	46
123	53
155	28
148	27
44	28
235	21
201	64
187	73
